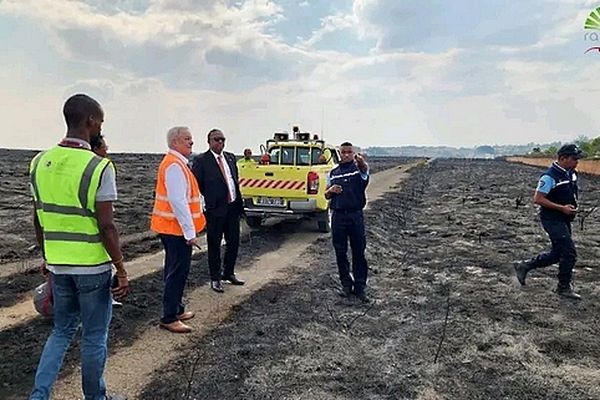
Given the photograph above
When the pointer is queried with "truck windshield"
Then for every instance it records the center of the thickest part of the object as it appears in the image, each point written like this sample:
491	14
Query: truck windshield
282	155
274	155
287	155
316	156
303	156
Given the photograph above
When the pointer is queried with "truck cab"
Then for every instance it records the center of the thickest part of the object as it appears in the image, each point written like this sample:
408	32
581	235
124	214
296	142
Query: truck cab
290	180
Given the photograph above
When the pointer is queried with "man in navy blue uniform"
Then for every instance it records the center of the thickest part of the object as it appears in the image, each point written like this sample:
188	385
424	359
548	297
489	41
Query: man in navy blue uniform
556	194
346	185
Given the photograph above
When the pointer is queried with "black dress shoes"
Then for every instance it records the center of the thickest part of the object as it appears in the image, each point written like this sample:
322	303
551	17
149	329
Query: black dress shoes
217	286
233	280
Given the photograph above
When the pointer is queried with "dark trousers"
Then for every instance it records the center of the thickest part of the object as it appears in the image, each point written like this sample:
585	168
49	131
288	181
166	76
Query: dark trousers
178	258
217	226
350	226
562	252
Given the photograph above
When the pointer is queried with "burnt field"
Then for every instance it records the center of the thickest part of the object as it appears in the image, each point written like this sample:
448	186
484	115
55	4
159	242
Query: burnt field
448	321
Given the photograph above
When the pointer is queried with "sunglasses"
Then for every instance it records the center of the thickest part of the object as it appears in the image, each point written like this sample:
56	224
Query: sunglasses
219	139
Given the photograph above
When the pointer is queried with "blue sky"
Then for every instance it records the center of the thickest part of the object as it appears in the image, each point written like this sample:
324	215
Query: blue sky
382	72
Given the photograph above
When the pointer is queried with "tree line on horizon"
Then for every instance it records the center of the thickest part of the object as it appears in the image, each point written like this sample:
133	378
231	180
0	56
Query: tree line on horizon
590	146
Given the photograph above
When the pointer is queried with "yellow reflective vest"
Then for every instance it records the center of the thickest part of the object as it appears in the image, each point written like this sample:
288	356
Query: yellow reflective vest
64	183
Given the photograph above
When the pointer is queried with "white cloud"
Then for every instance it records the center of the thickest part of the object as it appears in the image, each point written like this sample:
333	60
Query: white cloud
329	24
158	63
168	36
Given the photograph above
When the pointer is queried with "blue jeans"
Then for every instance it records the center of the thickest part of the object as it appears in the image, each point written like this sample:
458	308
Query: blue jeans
85	300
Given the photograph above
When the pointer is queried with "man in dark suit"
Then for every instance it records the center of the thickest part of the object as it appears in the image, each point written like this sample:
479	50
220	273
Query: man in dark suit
217	175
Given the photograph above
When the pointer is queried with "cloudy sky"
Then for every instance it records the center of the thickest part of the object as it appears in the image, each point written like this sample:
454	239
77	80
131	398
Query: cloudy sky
376	72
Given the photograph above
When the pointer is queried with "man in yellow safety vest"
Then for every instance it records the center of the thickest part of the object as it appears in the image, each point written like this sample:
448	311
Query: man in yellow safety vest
73	191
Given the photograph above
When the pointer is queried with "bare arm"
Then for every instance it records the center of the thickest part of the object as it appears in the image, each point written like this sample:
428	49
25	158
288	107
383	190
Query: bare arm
331	190
109	233
39	233
361	163
541	200
39	238
328	193
110	239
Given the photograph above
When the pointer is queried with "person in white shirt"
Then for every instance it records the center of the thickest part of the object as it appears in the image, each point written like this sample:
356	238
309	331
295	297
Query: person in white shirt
177	218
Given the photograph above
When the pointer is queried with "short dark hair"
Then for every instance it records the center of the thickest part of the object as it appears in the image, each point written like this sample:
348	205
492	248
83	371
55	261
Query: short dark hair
214	130
79	107
96	142
346	144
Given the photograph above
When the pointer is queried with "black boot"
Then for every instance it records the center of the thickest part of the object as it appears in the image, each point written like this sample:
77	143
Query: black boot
361	295
521	270
567	292
346	292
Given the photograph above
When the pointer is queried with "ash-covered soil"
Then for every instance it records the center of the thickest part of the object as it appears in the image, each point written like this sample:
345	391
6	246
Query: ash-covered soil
448	320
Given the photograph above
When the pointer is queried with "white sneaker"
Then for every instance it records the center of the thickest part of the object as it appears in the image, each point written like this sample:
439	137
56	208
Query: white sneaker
116	304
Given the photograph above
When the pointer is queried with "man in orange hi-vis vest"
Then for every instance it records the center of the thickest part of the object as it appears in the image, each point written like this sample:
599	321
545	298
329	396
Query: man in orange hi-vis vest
177	218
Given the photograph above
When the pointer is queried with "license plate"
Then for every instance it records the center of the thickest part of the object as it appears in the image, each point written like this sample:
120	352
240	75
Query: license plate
269	201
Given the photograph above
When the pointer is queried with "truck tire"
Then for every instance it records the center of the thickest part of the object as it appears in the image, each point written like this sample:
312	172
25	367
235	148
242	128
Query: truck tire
254	222
324	222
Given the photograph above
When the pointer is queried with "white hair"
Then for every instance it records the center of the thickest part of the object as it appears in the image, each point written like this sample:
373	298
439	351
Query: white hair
174	133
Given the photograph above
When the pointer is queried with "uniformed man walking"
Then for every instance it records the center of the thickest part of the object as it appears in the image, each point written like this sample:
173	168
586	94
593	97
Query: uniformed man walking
346	185
556	194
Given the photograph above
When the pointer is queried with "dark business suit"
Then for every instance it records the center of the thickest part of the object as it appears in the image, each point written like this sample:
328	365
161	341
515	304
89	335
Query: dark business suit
222	218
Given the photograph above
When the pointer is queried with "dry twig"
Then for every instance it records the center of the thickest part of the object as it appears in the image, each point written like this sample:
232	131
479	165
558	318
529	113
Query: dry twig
443	337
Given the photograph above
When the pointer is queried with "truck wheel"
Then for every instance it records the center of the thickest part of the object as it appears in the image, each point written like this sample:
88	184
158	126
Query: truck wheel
254	222
324	222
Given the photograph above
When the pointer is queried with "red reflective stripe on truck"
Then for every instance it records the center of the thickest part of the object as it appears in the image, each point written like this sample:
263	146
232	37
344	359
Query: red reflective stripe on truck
272	184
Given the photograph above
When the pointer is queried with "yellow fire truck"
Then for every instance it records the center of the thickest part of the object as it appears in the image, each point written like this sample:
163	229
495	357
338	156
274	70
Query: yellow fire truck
290	180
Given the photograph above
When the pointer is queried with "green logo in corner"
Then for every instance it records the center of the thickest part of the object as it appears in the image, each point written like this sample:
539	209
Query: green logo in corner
593	21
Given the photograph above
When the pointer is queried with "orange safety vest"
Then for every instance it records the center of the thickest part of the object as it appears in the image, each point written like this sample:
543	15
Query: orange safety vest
163	218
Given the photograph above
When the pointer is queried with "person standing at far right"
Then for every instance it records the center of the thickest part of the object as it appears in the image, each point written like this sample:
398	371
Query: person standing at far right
346	186
556	194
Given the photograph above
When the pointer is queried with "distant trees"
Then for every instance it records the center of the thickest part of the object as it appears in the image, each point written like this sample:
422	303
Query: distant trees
547	152
591	147
552	150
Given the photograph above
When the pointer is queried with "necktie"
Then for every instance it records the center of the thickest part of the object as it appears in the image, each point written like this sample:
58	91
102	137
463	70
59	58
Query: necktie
222	167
